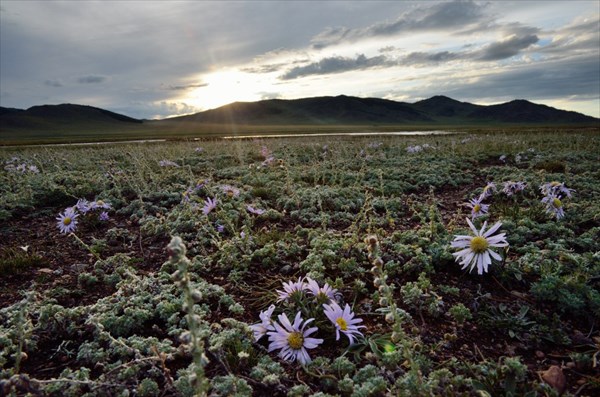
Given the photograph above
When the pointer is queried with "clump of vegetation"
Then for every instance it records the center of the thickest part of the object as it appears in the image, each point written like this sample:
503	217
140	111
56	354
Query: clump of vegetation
404	266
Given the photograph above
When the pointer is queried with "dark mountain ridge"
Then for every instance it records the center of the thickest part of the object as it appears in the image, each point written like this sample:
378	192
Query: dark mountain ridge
352	110
60	116
327	110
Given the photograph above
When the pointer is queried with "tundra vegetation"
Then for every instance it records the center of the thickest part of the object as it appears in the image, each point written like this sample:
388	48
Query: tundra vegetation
463	265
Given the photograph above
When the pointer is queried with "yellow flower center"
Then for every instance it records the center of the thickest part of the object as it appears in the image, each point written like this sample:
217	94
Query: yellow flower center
342	323
479	244
554	183
476	208
67	221
100	203
557	203
230	193
296	340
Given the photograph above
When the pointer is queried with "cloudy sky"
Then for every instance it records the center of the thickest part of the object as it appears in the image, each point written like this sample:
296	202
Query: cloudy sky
154	59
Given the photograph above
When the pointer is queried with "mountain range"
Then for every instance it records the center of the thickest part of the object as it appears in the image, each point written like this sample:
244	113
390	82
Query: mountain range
317	111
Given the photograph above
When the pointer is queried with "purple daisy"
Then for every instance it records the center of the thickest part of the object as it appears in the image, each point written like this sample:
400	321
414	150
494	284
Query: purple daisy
209	205
554	206
323	294
488	190
103	216
255	211
266	324
343	320
293	339
230	191
477	207
511	187
67	221
82	206
99	204
555	188
291	289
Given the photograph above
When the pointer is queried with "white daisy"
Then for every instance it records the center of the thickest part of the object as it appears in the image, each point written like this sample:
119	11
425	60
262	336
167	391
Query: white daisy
477	250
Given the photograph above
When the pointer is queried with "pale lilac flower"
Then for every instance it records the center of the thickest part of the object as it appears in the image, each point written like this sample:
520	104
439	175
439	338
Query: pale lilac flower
267	161
167	163
185	196
374	145
503	158
82	206
323	294
198	149
266	324
414	149
343	320
293	339
209	205
476	249
103	216
487	190
230	191
67	221
255	211
220	228
291	289
511	187
555	188
22	167
477	207
265	152
34	169
200	185
554	206
100	204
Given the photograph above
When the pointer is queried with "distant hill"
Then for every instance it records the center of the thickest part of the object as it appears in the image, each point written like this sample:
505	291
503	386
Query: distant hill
319	110
57	117
78	122
345	110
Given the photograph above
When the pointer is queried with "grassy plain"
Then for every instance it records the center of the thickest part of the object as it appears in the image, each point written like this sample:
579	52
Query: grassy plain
100	312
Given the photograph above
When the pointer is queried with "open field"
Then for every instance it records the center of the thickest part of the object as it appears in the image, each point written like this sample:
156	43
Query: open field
115	306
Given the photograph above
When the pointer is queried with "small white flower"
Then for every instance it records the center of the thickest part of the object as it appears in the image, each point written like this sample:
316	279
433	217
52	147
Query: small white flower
477	250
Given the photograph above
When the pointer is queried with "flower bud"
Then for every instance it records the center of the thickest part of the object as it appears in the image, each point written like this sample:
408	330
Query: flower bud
177	276
186	337
389	318
196	295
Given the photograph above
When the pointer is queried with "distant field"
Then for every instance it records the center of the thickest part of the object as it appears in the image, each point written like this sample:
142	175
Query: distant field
186	131
98	299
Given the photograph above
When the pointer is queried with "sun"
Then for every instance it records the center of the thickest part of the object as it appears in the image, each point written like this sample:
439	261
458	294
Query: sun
224	87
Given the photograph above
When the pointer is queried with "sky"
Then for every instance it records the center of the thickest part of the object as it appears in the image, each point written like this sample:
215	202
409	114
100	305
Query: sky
158	59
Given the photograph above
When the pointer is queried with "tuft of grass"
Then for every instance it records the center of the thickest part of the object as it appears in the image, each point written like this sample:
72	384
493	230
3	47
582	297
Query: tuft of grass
14	260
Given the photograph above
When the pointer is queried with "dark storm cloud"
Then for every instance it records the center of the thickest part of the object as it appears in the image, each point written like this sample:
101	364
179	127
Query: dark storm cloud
507	48
91	79
336	65
427	58
549	80
496	51
441	16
